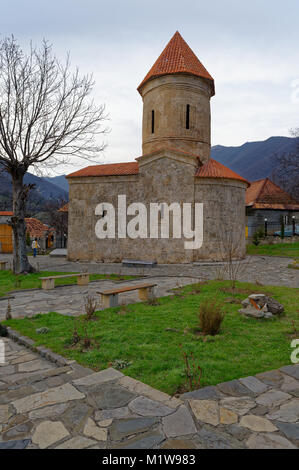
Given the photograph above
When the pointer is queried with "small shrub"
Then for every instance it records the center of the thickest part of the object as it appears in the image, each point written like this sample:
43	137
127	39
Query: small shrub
90	306
192	372
120	364
8	311
42	331
258	234
210	318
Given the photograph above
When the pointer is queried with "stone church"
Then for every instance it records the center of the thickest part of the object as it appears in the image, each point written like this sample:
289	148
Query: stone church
175	167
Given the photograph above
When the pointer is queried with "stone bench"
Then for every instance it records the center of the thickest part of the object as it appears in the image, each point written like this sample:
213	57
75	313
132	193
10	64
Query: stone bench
131	263
3	265
109	297
48	282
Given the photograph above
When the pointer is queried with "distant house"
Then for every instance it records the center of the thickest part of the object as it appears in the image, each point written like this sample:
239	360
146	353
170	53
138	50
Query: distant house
45	235
267	203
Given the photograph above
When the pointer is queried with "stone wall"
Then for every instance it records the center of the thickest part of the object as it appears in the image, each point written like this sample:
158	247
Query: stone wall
224	217
166	179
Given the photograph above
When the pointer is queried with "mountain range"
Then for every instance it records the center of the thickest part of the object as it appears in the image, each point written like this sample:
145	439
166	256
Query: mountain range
252	160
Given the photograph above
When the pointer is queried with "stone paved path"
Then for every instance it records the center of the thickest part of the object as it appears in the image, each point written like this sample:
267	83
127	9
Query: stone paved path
269	270
43	405
69	300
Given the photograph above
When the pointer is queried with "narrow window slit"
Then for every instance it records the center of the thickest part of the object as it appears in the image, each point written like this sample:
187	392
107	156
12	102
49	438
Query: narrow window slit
153	121
188	116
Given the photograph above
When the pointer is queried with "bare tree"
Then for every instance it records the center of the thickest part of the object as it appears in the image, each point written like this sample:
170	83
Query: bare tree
286	171
230	246
46	117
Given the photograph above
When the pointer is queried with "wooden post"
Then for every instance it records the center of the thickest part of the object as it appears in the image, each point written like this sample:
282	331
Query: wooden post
143	294
83	279
48	284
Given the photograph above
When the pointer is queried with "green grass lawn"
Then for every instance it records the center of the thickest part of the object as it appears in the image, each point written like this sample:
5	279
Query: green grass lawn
138	334
10	282
289	250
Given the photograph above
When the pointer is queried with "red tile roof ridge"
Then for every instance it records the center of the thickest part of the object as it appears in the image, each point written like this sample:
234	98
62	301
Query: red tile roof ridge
108	169
215	169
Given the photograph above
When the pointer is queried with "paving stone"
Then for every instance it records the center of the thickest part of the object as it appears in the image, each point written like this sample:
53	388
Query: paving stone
205	393
18	432
227	416
34	365
61	394
7	370
272	378
126	427
110	396
288	413
105	423
54	382
259	410
12	395
238	431
15	421
178	444
240	405
258	424
206	411
49	411
78	442
213	438
290	430
92	430
149	392
5	413
291	370
49	432
18	444
146	407
145	441
272	398
179	423
23	358
234	388
289	384
99	377
118	413
76	416
269	441
254	385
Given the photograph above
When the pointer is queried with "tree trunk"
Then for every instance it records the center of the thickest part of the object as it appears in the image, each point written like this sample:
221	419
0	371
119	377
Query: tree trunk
19	194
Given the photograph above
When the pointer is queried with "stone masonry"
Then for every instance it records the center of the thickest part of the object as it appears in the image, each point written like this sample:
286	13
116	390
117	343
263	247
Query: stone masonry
62	405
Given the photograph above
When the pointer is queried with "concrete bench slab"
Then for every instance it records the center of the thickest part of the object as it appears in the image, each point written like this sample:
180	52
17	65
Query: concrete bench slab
48	282
110	297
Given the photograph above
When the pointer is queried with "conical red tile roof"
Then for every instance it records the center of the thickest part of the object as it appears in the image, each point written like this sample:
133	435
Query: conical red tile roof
177	57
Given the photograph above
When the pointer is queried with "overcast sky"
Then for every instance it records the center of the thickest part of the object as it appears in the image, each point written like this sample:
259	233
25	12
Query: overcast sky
250	48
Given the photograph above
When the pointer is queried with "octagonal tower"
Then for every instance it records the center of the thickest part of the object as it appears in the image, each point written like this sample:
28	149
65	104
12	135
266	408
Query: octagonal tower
176	95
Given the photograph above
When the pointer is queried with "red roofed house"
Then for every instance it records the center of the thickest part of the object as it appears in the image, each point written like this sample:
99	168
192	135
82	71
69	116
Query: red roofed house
35	229
44	234
175	167
265	201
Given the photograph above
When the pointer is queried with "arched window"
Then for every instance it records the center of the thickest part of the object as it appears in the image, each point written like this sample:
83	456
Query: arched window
188	116
153	121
